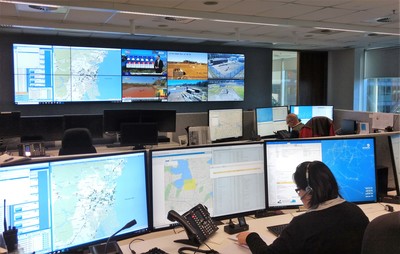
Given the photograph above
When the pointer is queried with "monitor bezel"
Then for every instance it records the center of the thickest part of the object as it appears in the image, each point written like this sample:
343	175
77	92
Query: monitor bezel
394	165
269	207
186	148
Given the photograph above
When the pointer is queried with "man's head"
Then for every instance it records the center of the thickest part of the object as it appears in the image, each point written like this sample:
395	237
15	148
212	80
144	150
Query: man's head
292	120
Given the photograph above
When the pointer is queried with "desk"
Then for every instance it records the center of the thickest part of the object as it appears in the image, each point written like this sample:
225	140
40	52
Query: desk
221	241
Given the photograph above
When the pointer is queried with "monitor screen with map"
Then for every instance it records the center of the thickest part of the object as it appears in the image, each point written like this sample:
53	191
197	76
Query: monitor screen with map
224	178
45	74
351	160
225	124
66	204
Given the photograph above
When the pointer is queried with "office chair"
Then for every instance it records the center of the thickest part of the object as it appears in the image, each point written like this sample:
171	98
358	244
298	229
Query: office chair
382	235
76	141
318	126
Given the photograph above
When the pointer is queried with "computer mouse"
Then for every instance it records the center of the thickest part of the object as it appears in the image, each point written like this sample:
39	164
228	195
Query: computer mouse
278	212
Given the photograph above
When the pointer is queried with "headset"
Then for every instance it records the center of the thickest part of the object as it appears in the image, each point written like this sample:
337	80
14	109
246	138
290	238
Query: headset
308	189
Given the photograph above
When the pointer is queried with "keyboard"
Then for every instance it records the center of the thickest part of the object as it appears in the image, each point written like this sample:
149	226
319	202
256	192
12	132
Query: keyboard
155	251
391	199
277	229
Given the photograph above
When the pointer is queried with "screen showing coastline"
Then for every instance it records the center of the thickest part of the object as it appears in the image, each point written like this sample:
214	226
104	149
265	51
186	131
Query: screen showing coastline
58	74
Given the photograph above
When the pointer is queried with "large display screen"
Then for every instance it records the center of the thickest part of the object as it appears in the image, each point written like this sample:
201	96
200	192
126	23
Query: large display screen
228	179
305	113
351	160
68	204
47	74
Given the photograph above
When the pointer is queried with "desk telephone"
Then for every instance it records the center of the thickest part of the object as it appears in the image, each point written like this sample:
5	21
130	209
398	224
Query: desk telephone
197	223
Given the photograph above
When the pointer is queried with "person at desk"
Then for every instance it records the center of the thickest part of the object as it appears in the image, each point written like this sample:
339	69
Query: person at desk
158	65
330	225
295	124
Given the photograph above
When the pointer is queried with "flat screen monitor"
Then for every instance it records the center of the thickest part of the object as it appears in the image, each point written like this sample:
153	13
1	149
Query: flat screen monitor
270	120
94	123
48	74
351	160
10	124
394	144
225	124
42	128
67	204
165	119
305	113
228	179
139	135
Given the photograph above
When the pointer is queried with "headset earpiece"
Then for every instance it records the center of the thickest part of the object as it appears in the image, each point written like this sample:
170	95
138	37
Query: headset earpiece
308	188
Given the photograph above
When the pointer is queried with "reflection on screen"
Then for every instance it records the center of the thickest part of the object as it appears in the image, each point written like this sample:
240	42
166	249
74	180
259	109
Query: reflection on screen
225	123
270	120
394	141
351	160
305	113
228	179
68	204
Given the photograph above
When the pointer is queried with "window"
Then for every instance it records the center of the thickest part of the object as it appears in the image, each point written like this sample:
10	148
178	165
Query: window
284	78
382	80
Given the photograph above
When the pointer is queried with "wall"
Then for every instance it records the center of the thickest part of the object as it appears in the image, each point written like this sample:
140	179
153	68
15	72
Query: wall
341	78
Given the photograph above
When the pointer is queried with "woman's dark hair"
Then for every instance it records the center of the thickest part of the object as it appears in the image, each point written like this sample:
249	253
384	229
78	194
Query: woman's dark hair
321	180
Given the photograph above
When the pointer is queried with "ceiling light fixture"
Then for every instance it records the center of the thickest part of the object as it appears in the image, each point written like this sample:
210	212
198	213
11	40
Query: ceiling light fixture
210	3
354	31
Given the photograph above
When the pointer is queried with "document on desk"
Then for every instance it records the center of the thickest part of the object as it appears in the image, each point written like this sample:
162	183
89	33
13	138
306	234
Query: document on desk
9	159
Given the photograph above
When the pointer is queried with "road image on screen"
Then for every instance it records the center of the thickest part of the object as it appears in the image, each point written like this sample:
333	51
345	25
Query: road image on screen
224	178
351	160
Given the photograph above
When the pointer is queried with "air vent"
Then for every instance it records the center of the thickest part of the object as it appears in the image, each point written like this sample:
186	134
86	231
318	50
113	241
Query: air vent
43	8
179	20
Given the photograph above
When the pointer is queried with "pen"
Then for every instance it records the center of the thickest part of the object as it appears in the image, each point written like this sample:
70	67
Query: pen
9	159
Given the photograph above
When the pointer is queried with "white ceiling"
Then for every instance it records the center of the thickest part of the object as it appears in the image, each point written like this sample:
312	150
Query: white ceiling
285	24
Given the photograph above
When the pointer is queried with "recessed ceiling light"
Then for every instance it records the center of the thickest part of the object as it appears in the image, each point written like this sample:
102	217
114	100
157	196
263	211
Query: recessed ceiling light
162	26
210	3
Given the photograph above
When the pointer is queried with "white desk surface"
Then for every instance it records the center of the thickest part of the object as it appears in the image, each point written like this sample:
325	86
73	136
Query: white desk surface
221	241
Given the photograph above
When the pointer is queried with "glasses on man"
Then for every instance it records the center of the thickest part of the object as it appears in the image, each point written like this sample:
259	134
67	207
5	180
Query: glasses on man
297	190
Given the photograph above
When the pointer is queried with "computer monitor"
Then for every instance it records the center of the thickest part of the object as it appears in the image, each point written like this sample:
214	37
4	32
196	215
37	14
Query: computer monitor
227	178
351	160
270	120
225	124
139	135
42	128
94	123
165	119
394	144
305	113
67	204
10	124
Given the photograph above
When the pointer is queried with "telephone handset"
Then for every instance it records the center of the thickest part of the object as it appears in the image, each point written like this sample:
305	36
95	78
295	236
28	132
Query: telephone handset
197	223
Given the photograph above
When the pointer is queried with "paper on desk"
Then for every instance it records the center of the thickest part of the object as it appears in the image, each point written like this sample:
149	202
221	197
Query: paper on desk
8	159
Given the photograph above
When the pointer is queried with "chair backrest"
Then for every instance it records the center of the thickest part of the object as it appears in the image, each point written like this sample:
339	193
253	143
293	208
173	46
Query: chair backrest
318	126
382	235
76	141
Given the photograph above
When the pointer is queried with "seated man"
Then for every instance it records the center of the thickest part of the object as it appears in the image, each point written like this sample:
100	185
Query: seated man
295	124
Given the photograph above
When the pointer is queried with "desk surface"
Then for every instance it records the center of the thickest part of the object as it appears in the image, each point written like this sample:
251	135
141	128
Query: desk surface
221	241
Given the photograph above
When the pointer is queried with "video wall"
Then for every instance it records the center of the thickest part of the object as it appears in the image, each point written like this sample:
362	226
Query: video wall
49	74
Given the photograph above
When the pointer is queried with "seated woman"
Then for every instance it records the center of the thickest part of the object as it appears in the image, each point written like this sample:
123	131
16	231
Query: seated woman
330	225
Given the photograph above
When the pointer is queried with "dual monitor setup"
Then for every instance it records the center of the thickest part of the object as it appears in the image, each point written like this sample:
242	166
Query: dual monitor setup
57	208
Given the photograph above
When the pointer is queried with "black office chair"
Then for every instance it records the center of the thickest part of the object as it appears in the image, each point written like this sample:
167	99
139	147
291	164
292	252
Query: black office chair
382	235
77	141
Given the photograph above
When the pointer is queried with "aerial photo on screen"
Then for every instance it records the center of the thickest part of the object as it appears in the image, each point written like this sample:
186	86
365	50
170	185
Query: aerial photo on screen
187	65
225	66
225	90
144	88
187	90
